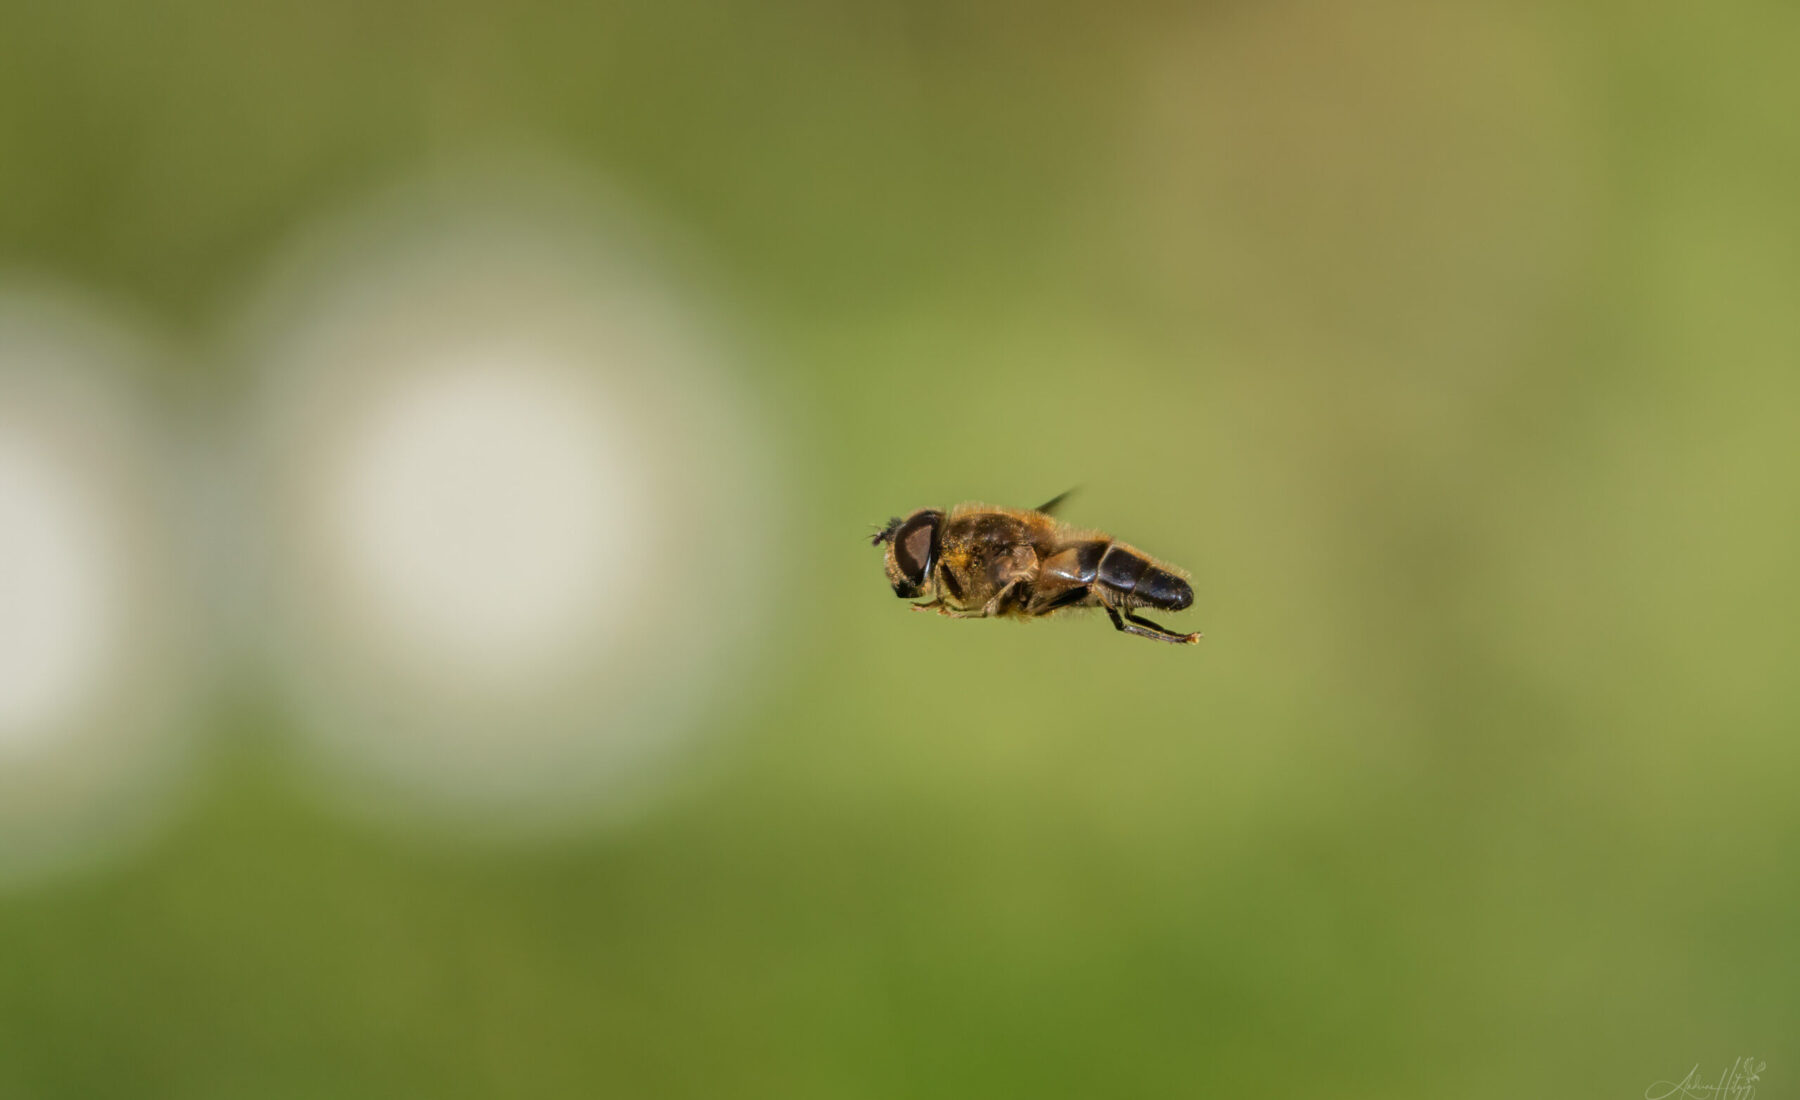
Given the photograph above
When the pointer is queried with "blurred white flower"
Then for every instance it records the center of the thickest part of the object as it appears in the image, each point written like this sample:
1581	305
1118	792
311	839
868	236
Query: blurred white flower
514	506
98	631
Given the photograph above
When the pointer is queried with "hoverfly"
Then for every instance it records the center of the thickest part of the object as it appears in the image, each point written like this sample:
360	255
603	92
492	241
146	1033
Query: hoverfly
981	562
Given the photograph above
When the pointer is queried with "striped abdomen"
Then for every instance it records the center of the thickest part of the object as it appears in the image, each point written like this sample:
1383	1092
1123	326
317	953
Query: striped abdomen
1129	574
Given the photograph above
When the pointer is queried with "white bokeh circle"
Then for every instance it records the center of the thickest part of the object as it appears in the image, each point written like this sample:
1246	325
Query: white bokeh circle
513	507
99	636
56	613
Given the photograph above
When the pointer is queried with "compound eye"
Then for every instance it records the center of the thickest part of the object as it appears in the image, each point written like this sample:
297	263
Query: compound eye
915	546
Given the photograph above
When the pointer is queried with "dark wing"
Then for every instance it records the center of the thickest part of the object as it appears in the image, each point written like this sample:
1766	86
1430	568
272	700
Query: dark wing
1050	506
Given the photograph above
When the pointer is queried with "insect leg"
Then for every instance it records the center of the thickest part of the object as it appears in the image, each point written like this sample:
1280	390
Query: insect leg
1068	597
992	605
1144	628
1161	633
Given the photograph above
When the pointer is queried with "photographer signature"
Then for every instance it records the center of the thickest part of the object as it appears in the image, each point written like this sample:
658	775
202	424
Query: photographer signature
1736	1083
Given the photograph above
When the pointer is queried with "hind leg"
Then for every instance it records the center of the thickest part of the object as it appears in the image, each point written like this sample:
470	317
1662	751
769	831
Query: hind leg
1144	628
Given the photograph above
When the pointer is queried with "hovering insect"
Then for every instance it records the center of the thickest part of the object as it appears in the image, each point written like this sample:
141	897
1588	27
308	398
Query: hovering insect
980	562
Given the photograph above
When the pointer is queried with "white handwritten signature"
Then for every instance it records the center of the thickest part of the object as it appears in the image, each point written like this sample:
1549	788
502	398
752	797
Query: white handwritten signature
1736	1083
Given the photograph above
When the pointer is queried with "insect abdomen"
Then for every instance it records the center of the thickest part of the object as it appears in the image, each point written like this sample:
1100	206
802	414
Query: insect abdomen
1145	583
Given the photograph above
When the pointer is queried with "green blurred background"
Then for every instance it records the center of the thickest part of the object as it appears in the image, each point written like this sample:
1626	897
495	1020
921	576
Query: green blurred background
1452	348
